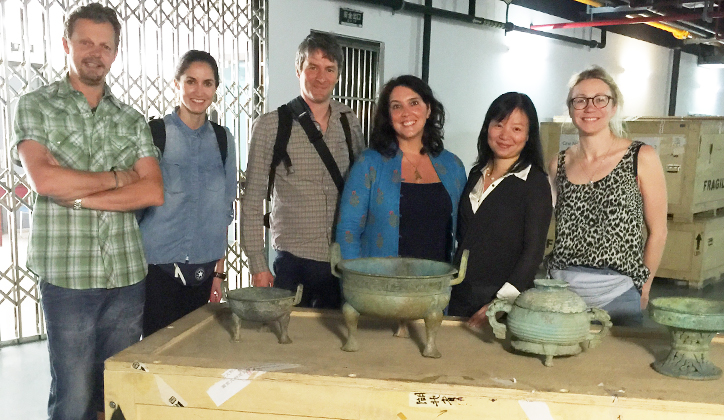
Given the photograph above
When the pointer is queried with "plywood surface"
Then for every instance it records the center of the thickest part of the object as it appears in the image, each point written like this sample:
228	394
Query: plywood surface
619	367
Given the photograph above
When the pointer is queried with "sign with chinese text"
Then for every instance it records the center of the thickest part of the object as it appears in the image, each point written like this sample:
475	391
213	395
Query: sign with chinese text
350	17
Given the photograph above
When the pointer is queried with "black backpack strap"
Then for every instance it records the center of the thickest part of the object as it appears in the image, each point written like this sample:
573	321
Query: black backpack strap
158	132
220	132
284	131
347	136
302	114
636	149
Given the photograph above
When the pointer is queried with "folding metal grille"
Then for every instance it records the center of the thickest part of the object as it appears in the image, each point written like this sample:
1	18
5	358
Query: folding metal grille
155	33
359	79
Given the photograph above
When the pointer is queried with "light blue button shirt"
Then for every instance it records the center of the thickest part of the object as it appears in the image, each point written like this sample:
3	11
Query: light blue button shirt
199	193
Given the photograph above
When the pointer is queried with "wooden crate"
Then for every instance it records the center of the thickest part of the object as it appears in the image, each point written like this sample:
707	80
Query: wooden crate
691	151
193	371
694	252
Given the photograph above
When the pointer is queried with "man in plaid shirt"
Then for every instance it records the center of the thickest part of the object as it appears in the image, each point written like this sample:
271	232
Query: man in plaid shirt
90	161
305	200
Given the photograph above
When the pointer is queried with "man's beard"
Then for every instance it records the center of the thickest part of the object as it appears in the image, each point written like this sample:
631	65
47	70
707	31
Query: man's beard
92	78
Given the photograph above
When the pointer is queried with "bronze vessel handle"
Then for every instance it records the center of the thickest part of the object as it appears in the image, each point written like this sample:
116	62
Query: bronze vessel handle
498	305
461	271
298	296
594	338
335	256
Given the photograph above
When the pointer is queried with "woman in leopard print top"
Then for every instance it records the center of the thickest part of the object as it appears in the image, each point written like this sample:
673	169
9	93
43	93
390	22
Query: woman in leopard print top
607	187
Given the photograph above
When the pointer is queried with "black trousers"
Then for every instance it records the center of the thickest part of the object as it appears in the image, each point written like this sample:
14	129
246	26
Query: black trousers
167	300
321	288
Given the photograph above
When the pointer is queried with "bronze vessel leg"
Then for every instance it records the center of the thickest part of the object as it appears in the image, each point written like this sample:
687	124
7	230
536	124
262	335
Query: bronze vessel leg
236	328
283	324
402	330
433	320
351	316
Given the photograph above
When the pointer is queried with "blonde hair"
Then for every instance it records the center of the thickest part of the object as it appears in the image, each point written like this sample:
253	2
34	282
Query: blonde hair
596	72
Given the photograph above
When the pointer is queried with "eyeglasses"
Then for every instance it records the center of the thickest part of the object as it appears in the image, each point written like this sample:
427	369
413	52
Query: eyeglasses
581	102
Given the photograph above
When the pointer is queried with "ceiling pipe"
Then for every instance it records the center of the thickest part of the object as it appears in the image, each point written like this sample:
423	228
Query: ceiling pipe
700	32
716	26
677	33
667	18
426	38
675	66
586	43
591	3
405	6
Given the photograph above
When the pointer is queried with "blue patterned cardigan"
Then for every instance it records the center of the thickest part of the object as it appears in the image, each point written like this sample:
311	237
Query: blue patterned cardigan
370	205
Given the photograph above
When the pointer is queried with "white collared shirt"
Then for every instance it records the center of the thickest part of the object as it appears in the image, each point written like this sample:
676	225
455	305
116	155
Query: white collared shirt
477	195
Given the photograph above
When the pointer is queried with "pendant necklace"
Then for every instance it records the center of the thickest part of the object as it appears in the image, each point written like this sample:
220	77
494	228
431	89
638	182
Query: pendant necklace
418	177
598	162
489	174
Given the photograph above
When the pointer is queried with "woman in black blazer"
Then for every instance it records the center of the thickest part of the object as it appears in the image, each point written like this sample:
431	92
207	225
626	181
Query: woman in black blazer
504	211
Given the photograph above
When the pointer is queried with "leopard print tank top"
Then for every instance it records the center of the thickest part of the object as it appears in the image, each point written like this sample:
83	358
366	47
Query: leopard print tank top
600	224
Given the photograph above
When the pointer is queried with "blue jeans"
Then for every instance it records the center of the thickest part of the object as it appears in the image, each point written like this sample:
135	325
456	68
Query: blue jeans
85	327
321	288
625	310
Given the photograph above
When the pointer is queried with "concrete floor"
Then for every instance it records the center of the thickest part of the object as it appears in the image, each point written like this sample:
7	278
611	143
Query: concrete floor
25	374
24	381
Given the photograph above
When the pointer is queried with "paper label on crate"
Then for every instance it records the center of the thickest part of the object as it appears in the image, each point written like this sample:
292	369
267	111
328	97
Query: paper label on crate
169	395
235	380
536	410
567	140
655	142
424	399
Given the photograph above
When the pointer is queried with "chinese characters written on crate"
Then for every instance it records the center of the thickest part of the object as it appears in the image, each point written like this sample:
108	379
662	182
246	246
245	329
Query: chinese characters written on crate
418	399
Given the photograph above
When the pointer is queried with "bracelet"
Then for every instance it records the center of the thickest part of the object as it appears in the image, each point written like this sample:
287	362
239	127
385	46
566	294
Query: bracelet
222	276
115	176
77	204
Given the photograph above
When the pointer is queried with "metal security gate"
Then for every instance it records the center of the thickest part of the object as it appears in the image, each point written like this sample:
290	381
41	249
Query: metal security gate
359	80
155	33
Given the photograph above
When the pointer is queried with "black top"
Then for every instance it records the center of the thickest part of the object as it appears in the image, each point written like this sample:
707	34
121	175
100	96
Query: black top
506	238
425	221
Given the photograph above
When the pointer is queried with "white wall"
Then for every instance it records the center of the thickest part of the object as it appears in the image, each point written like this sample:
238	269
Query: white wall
471	65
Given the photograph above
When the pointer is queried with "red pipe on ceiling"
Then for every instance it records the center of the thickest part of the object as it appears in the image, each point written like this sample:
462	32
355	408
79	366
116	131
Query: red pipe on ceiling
587	24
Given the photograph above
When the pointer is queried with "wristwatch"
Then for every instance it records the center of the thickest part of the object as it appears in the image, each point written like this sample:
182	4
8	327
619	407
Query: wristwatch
222	276
77	205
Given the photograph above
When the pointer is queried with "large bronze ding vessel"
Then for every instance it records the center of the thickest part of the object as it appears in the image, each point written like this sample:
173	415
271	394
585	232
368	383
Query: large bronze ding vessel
549	320
396	288
263	304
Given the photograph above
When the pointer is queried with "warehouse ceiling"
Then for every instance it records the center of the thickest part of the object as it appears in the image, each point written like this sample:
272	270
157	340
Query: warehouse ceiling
695	22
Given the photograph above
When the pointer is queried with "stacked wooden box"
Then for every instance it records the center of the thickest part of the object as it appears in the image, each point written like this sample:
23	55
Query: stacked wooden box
692	154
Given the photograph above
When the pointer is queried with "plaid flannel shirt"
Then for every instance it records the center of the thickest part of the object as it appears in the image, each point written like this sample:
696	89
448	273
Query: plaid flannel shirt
83	249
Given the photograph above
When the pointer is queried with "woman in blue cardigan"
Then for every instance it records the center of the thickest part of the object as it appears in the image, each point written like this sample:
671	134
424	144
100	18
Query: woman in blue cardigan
402	194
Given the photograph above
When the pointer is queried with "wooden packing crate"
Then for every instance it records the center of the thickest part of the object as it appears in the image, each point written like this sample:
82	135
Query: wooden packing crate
193	371
694	251
691	151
